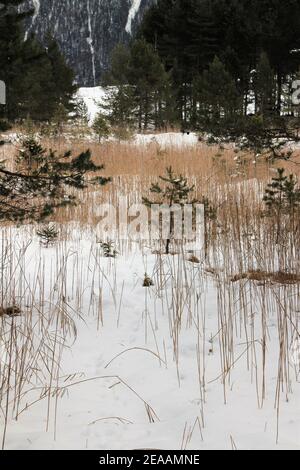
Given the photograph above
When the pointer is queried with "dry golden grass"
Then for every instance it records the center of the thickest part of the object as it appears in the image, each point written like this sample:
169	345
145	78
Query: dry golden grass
133	168
263	276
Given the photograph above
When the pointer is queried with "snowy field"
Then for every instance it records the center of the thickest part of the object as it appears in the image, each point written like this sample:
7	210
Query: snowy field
206	356
143	367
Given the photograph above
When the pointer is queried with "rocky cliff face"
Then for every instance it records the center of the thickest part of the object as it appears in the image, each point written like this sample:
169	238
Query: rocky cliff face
87	30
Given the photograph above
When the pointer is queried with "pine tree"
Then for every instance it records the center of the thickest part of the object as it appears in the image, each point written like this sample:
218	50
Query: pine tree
109	250
48	235
11	54
150	82
101	127
283	193
120	106
282	197
187	34
63	75
37	84
119	67
59	119
81	112
176	191
217	97
39	184
264	86
183	33
37	79
140	92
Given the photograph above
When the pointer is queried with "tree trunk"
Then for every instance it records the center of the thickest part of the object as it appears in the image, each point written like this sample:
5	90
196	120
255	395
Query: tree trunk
279	92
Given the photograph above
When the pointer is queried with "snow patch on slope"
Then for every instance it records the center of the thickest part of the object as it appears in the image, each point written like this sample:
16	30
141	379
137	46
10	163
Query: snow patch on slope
135	6
90	41
93	98
37	6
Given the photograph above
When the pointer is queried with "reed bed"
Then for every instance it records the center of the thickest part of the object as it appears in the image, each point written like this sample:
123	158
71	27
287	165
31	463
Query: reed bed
252	276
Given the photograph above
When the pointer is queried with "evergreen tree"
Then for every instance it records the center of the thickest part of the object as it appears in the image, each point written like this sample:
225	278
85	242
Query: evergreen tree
37	79
282	197
59	119
63	75
187	34
41	180
183	33
119	67
48	235
217	97
264	86
140	93
120	106
37	85
101	127
174	192
81	112
12	47
150	84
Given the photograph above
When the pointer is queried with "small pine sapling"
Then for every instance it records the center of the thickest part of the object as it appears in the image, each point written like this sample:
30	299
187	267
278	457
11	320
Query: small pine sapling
48	235
282	197
100	127
108	249
175	191
81	118
31	154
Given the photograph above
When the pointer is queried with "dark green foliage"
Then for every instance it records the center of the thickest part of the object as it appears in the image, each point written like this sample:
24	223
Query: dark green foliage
246	36
108	249
36	76
41	181
101	127
266	137
282	198
119	66
30	153
183	32
264	87
141	92
175	191
81	112
149	80
218	97
120	106
4	126
283	193
48	235
63	76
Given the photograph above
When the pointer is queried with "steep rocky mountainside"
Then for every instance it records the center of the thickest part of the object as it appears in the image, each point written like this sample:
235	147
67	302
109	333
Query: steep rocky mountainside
87	30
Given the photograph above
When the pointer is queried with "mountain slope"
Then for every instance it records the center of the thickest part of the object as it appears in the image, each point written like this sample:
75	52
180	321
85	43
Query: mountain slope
87	30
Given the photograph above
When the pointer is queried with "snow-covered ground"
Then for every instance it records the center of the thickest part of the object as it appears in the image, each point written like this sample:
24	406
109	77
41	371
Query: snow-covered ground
168	139
93	98
191	362
119	386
